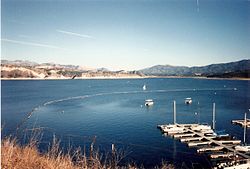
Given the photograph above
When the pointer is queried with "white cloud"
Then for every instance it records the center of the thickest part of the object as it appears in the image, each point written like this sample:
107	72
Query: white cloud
32	44
75	34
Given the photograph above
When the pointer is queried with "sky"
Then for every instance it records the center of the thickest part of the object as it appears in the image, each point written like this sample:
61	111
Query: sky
125	34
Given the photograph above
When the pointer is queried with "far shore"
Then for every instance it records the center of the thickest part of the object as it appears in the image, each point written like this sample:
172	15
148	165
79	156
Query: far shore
126	77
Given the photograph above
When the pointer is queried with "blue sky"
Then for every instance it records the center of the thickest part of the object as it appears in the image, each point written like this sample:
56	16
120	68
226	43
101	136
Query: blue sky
125	34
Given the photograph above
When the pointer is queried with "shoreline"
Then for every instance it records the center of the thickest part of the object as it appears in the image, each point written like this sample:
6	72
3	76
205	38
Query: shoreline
129	77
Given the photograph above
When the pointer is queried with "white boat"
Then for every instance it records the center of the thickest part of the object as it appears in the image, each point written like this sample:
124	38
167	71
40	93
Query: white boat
188	100
149	102
144	87
221	134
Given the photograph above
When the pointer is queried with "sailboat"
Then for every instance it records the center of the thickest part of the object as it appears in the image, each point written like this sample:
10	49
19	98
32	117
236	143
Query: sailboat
144	87
244	147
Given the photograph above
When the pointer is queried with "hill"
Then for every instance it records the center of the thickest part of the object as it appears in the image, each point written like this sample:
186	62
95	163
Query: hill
232	69
27	69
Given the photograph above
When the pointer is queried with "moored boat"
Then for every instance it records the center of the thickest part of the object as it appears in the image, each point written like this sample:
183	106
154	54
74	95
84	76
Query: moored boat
188	100
149	102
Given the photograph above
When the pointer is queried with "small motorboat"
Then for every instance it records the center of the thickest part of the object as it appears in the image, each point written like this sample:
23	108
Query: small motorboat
144	87
221	134
188	100
149	102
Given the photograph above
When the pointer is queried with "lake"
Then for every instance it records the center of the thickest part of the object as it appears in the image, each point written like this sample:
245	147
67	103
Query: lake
113	111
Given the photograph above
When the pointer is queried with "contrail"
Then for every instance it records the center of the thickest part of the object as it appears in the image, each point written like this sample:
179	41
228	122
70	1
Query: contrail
32	44
197	4
75	34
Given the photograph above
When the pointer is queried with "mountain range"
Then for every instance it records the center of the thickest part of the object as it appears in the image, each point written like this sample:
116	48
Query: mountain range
238	69
26	63
27	69
19	68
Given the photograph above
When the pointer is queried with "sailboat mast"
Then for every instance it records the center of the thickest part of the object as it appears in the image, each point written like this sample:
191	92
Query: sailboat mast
174	110
213	116
245	125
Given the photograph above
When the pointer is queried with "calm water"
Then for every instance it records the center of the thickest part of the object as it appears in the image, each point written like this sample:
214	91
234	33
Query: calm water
113	111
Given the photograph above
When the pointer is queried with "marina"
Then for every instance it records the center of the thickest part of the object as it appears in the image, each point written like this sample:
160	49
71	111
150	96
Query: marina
217	147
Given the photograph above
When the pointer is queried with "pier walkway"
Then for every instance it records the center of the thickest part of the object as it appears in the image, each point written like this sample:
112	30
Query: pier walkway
219	143
242	122
202	138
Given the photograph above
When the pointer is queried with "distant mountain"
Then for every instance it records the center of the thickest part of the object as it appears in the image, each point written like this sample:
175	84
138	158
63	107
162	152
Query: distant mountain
19	63
22	63
166	70
19	68
27	69
102	69
240	74
237	68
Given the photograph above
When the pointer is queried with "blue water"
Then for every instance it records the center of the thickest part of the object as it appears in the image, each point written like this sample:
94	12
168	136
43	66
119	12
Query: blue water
113	111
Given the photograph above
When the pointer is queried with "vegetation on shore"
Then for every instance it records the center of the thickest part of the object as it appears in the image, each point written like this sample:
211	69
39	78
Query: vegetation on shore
13	155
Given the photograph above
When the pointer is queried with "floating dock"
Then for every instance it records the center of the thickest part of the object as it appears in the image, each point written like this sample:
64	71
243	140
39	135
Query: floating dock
242	122
189	139
223	155
203	141
209	149
184	135
220	148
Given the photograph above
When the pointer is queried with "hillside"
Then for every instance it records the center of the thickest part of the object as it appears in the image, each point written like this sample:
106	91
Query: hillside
27	69
232	69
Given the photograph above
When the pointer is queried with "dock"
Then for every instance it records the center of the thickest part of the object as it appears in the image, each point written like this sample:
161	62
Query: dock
207	149
199	143
184	135
242	123
203	142
220	148
223	155
194	139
